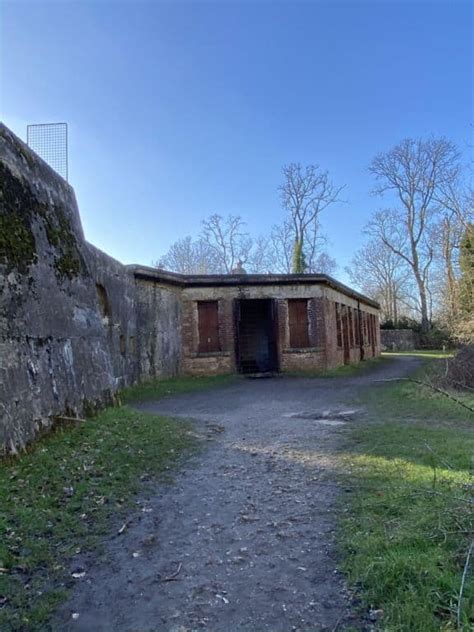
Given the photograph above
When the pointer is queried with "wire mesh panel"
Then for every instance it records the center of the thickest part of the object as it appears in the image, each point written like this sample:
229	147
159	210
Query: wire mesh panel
49	141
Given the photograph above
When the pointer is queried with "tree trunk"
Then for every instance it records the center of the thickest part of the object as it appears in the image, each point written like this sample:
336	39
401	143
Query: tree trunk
425	320
420	281
395	305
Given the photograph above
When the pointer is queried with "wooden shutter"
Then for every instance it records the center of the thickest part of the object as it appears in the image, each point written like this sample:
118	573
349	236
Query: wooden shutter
350	324
357	327
339	325
208	322
298	321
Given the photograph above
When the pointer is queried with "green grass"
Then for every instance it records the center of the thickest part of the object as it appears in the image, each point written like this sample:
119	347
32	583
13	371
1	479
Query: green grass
408	522
61	497
347	370
156	389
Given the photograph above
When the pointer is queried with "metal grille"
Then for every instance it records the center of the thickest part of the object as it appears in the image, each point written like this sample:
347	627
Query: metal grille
256	335
49	141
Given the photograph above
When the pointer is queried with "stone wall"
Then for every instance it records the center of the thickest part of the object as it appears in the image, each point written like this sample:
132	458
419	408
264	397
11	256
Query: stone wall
70	316
398	339
77	325
158	329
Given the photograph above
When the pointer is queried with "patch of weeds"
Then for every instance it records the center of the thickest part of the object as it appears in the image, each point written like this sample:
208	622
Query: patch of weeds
408	522
157	389
62	496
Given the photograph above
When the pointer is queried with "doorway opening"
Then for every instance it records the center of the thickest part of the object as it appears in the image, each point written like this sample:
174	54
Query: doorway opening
256	336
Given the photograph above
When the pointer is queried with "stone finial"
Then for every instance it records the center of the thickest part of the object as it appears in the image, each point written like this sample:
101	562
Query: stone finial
239	269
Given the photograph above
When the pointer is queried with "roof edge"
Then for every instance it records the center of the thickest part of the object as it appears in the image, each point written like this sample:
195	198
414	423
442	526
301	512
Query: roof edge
232	280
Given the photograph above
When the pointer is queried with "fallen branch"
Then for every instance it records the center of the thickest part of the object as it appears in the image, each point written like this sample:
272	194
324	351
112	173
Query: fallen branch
122	528
463	580
173	577
63	418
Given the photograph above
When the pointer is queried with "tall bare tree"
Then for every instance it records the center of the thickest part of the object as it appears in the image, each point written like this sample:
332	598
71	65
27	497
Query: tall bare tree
305	194
275	253
261	257
281	244
226	238
189	256
414	172
382	274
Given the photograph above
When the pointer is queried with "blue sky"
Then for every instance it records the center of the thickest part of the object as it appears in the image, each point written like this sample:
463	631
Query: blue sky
177	110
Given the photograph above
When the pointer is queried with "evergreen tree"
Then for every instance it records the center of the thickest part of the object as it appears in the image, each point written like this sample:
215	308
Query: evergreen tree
466	264
299	260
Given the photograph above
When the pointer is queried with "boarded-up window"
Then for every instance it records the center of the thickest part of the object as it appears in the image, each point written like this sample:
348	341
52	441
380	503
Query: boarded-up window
351	326
298	319
372	329
357	327
339	325
208	322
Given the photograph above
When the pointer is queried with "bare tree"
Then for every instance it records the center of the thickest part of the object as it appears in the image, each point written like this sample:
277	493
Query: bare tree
281	246
415	172
260	259
382	274
277	255
189	256
457	201
324	264
305	194
227	240
446	239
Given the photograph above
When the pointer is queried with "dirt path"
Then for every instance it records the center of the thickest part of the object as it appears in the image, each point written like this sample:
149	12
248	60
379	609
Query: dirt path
244	540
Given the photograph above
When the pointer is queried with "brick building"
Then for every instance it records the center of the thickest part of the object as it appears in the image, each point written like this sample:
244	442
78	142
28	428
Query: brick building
268	323
76	326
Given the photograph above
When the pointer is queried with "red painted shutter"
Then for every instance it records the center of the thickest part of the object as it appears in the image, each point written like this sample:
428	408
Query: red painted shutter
338	325
350	322
208	322
298	321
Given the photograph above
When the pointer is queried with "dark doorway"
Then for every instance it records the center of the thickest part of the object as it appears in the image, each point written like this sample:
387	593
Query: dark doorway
256	348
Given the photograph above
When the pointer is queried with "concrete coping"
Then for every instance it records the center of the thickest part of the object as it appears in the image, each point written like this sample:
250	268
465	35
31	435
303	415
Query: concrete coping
228	280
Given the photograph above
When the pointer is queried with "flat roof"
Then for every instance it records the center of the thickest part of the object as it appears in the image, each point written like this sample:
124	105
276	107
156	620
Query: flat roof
232	280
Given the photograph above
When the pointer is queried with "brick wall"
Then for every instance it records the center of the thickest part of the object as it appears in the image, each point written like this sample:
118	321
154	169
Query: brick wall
322	353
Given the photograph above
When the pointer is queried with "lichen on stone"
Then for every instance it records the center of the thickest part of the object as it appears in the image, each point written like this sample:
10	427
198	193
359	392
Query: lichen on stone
19	207
17	242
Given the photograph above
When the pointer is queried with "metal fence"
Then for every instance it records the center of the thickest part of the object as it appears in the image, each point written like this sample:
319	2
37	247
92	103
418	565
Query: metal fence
49	141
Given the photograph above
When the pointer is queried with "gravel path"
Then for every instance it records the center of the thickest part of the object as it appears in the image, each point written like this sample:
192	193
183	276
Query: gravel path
244	539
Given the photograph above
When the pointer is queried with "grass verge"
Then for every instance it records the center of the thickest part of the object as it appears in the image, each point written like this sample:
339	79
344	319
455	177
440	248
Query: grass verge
59	499
157	389
409	523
